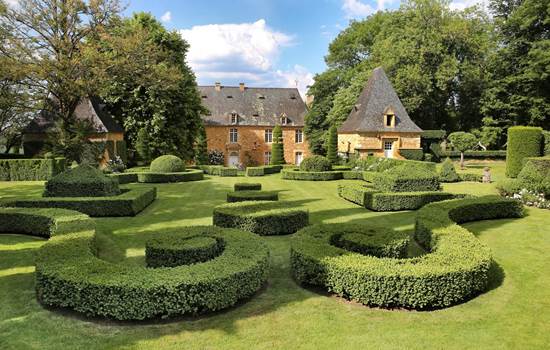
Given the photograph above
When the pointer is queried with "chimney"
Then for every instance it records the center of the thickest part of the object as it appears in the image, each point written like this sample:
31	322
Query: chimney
218	86
241	87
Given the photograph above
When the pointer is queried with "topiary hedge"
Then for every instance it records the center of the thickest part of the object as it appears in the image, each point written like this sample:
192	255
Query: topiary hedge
247	186
375	241
241	196
372	199
448	173
379	164
456	268
188	175
255	171
30	169
82	181
129	203
523	142
406	179
412	154
294	174
167	164
263	218
315	163
177	250
546	143
124	178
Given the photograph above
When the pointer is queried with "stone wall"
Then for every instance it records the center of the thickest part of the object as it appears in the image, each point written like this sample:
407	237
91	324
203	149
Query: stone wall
366	143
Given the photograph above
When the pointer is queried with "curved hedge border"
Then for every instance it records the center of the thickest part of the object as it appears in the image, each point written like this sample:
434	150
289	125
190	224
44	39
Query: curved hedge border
70	275
247	186
311	175
188	175
457	267
177	250
241	196
376	241
372	199
129	203
263	218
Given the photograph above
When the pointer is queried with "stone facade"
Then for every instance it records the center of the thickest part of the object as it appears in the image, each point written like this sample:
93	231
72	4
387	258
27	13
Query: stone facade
251	146
373	143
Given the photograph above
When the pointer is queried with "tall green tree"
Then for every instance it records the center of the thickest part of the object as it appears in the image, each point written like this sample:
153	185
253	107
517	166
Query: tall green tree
277	147
201	147
157	91
518	94
462	142
332	146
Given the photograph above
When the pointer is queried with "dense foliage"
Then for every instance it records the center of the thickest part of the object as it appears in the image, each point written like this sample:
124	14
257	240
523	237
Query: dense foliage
375	241
332	147
247	186
167	164
82	181
295	174
316	163
277	147
523	142
405	178
462	142
30	169
448	173
178	249
252	195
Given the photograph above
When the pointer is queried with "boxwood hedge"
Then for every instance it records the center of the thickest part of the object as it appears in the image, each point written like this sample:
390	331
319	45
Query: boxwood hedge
129	203
375	241
294	174
372	199
188	175
241	196
124	178
70	275
81	181
523	142
456	268
177	250
247	186
31	169
263	218
406	179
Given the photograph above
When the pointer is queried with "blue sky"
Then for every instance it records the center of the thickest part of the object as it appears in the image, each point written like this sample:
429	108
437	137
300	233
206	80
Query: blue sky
261	42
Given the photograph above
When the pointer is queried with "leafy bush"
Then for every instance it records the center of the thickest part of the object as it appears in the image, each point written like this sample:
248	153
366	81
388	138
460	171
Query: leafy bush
188	175
128	203
470	177
412	154
177	250
30	169
390	201
81	181
241	196
448	172
404	178
311	175
247	186
508	187
115	165
255	171
433	134
216	157
332	145
167	164
455	269
523	142
352	175
315	163
263	218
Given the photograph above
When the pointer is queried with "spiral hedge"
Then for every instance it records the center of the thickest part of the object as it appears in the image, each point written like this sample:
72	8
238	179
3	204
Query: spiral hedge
241	196
263	218
70	275
455	269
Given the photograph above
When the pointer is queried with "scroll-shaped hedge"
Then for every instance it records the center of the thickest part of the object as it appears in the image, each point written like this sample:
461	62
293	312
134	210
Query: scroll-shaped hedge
70	275
263	218
178	249
455	269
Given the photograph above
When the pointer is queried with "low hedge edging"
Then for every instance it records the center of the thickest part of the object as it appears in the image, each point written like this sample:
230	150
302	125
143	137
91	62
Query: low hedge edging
311	175
129	203
177	250
70	275
262	218
456	269
375	200
247	186
31	169
376	241
254	195
124	178
188	175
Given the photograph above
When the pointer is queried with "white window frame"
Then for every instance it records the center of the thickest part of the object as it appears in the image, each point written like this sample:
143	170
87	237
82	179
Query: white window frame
299	136
296	157
233	135
268	135
234	118
267	157
284	120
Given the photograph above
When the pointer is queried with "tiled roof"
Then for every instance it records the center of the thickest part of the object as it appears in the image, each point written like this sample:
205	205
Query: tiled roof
91	109
254	106
375	99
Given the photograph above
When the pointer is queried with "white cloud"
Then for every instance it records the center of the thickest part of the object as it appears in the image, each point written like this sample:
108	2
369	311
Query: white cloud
243	52
167	17
12	3
357	9
462	4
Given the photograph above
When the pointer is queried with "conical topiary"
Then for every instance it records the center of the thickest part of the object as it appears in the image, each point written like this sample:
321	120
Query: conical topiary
277	148
81	181
448	172
332	147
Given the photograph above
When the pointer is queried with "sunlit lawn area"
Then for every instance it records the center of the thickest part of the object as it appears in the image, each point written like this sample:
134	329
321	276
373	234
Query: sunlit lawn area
514	313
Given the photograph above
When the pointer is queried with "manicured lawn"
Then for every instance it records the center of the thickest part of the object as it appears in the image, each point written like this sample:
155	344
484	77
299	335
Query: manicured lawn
515	313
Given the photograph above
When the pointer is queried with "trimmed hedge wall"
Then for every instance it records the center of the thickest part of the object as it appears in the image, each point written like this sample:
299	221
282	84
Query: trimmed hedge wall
219	170
82	181
470	177
494	154
546	143
255	171
175	250
406	179
311	175
129	203
523	142
390	201
188	175
352	175
456	269
375	241
379	164
167	164
242	196
412	154
124	178
31	169
262	218
247	186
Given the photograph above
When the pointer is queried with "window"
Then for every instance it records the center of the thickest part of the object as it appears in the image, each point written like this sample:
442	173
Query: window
267	158
268	135
298	157
284	120
234	118
389	120
233	136
299	136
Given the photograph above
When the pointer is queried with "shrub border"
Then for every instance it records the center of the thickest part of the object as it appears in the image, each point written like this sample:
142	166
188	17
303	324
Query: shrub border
254	195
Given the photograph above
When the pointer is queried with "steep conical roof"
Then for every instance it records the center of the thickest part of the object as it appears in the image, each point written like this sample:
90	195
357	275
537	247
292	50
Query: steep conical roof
375	100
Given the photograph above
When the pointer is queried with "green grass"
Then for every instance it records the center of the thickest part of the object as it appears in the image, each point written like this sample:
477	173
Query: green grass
514	313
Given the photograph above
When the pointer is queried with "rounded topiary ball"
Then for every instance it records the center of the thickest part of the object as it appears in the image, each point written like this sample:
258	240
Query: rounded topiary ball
315	163
167	164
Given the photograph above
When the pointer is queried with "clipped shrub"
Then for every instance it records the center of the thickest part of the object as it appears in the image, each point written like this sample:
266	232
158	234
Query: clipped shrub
332	145
124	178
277	147
228	172
412	154
352	175
30	169
448	173
546	142
293	174
262	218
129	203
167	164
493	154
247	186
379	164
456	268
404	178
523	142
470	177
241	196
176	250
508	187
187	175
376	241
315	163
255	171
81	181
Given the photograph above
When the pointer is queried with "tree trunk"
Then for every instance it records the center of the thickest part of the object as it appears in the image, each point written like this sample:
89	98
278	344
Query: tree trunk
462	160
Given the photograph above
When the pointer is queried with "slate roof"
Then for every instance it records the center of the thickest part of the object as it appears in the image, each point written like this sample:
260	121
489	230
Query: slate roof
375	99
254	106
92	109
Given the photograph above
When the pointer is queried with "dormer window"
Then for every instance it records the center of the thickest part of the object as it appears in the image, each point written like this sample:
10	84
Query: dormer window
389	118
234	118
284	120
